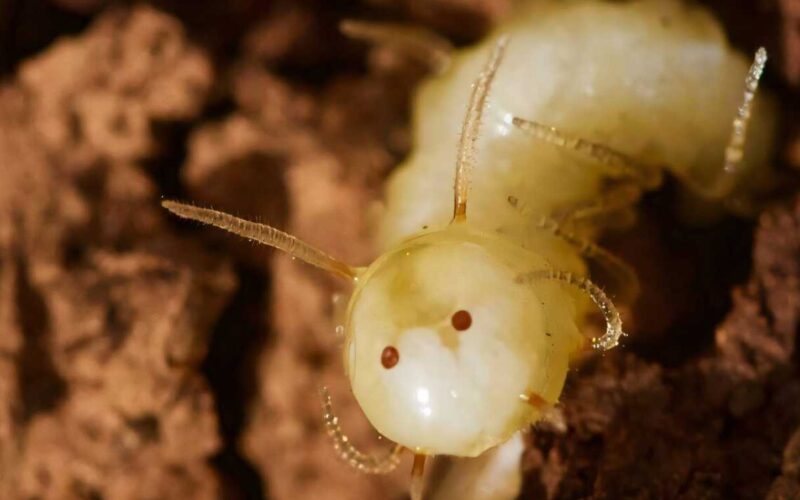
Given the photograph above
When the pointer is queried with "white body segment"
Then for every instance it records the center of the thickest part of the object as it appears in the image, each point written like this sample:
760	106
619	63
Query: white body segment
495	475
655	79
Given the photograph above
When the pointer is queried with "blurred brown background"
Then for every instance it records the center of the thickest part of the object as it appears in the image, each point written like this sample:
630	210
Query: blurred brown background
144	358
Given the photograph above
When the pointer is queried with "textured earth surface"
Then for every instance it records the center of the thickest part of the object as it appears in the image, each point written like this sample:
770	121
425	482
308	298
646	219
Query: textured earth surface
143	358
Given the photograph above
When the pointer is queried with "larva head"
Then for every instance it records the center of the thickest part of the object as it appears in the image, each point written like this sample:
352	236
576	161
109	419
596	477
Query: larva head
446	349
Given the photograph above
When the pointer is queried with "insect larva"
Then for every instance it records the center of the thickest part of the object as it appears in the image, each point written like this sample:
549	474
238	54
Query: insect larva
461	332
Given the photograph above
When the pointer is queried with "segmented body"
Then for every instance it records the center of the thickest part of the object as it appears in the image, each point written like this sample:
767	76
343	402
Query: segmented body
655	80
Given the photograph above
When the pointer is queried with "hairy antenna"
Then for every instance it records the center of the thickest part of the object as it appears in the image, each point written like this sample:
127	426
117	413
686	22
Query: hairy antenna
423	44
263	234
382	464
466	159
734	152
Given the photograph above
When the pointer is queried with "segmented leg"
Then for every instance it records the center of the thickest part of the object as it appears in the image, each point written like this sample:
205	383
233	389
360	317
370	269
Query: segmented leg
613	162
608	210
382	464
613	322
625	277
422	44
554	419
418	477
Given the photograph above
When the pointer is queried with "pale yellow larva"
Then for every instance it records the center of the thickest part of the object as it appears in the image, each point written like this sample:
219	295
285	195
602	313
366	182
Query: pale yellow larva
461	332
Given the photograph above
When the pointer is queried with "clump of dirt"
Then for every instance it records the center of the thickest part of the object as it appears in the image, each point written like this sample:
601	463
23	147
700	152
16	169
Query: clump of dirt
146	358
105	312
714	425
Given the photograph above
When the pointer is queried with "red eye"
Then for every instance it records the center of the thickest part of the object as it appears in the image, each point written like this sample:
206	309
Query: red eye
461	320
389	357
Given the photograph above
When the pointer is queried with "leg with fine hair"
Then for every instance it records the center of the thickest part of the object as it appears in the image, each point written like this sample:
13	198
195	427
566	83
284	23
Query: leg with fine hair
614	208
623	278
418	477
613	163
422	44
610	339
382	464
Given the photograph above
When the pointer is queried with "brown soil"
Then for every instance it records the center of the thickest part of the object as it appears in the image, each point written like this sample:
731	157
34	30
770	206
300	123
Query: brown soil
143	358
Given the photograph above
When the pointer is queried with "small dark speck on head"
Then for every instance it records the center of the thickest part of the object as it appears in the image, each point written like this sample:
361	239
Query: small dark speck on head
461	320
389	357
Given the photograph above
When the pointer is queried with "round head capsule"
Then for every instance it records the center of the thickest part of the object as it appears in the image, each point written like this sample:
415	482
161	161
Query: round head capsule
444	344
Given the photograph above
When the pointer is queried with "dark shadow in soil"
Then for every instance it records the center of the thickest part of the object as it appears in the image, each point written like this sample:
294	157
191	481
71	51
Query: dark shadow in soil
165	169
695	270
28	26
230	368
41	386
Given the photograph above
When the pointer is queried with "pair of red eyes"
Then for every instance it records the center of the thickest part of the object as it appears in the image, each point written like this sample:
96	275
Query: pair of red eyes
461	320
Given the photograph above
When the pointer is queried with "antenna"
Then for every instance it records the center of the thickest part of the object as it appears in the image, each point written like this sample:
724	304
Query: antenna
261	233
466	159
